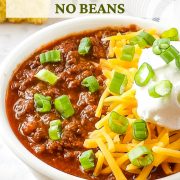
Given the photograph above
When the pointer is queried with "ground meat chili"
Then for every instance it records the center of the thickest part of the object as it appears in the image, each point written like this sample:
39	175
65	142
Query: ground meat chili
31	127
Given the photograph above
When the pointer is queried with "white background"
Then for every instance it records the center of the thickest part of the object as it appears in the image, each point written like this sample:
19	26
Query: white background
12	34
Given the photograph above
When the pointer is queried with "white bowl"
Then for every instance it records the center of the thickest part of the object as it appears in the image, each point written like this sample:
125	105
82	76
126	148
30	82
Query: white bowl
25	49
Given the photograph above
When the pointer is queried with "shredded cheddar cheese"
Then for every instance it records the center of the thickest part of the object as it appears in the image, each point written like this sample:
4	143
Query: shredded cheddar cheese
111	161
99	164
111	146
165	166
112	151
131	167
166	151
172	160
100	105
144	173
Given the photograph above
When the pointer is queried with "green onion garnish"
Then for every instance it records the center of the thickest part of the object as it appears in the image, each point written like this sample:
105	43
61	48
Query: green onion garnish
128	53
87	160
147	37
118	123
160	45
84	46
138	40
64	106
178	61
156	50
169	54
50	56
141	156
161	89
118	83
47	76
172	34
144	74
91	83
140	131
55	130
42	103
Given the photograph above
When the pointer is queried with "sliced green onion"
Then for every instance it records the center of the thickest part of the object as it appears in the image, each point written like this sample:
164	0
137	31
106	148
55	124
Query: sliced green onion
42	103
160	45
140	131
138	40
84	46
144	74
172	34
161	89
91	83
118	83
128	53
118	123
147	37
178	61
156	50
169	54
50	56
64	106
87	160
55	130
164	46
47	76
141	156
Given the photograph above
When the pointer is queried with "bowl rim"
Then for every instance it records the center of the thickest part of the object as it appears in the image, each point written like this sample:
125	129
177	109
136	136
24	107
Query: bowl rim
6	132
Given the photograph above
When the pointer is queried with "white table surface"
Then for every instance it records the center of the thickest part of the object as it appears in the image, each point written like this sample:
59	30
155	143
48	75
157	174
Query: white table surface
10	36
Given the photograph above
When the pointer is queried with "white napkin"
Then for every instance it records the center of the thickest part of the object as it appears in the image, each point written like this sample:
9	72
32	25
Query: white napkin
166	11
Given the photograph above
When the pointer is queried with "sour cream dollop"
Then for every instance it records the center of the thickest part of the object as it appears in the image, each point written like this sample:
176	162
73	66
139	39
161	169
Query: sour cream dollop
164	111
